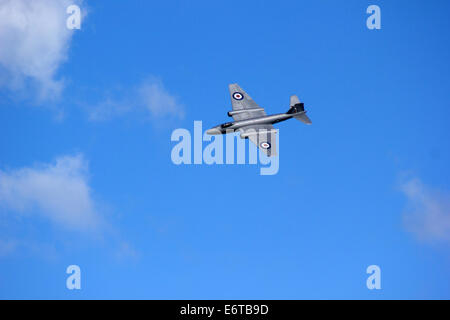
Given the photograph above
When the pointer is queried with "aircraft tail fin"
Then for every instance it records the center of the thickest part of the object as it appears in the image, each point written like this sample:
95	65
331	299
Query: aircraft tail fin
297	109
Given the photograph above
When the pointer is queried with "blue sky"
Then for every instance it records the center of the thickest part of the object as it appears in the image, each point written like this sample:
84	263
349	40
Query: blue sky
86	176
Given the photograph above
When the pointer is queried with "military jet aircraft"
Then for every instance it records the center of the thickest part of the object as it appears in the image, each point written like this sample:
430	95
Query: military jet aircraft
252	122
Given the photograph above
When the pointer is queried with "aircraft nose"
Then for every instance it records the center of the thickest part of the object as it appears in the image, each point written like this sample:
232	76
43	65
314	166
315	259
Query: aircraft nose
213	131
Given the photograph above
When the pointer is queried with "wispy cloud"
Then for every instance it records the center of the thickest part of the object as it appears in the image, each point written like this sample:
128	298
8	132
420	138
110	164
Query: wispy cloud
427	214
155	98
34	42
58	191
107	109
46	251
150	96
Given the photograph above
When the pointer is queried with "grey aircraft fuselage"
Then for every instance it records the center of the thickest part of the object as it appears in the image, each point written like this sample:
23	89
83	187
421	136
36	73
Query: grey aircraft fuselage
236	125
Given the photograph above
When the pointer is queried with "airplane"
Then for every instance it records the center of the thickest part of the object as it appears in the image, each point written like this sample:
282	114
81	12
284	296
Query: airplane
252	122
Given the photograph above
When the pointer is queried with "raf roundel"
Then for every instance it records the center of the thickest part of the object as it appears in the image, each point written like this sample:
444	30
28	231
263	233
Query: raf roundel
265	145
238	96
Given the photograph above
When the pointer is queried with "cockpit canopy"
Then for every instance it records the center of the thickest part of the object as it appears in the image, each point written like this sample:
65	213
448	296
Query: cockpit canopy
226	125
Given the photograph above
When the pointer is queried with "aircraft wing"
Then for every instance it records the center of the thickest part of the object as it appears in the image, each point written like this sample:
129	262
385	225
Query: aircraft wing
263	136
243	105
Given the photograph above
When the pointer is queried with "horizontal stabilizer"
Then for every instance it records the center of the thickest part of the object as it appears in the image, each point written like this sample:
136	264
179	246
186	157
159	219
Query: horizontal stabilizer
303	117
297	110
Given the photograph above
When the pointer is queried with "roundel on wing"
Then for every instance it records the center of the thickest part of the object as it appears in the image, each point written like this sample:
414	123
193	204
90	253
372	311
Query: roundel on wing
238	96
265	145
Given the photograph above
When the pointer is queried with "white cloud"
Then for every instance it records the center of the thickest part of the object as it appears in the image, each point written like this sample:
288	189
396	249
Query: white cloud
107	109
34	42
58	191
157	100
428	211
149	96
